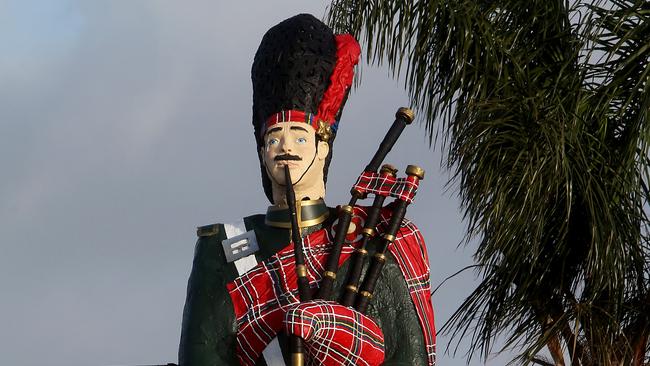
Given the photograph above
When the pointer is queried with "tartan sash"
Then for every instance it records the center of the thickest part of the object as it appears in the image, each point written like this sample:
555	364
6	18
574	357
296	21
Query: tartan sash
263	295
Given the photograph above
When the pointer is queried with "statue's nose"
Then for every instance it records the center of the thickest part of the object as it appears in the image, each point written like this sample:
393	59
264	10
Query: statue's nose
286	145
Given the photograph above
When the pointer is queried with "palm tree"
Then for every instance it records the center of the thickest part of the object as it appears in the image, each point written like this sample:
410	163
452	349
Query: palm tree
543	109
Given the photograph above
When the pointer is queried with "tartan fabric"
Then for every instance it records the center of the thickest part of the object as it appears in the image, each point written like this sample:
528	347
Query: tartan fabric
335	334
387	185
262	296
290	116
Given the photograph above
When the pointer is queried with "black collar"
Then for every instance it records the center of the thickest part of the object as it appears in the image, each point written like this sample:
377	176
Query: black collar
310	213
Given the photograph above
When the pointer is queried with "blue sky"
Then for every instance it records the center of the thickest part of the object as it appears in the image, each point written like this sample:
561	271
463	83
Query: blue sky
34	35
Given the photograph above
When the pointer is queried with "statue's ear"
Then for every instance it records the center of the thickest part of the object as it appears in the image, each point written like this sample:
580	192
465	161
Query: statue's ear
323	150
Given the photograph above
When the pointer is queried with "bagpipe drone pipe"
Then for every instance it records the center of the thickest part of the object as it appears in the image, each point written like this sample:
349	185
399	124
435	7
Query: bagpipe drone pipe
357	293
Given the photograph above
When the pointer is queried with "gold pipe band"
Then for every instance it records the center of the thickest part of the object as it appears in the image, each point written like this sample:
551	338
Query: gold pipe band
366	294
301	270
369	232
380	257
346	208
389	237
330	274
297	359
405	113
388	169
362	251
352	288
416	171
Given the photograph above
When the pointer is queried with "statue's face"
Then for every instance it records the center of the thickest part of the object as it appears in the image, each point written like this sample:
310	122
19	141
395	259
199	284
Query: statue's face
294	144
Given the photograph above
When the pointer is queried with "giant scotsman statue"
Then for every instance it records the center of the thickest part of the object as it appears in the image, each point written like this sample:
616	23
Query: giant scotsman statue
242	297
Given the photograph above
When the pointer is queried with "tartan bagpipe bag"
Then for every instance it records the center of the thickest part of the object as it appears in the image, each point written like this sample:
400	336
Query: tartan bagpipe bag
335	334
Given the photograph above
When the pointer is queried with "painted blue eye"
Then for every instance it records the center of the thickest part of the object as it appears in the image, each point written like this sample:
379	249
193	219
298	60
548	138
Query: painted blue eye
273	141
301	140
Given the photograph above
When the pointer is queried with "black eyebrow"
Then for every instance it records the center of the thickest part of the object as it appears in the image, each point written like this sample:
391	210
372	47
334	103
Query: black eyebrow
298	128
276	129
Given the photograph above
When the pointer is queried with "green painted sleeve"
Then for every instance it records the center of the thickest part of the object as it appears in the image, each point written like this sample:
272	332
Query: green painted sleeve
209	328
393	308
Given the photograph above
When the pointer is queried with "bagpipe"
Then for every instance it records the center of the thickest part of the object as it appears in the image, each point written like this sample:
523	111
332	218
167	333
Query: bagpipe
381	183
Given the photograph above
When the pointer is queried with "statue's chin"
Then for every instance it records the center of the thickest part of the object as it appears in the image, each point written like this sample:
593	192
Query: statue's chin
278	174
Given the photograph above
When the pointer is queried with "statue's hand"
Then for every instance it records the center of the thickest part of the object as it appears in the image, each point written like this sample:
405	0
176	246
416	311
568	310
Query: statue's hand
334	334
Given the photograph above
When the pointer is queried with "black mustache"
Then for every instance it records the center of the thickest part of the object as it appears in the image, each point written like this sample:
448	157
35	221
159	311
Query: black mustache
287	157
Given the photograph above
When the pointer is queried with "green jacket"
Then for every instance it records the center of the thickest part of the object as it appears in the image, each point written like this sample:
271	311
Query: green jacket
209	325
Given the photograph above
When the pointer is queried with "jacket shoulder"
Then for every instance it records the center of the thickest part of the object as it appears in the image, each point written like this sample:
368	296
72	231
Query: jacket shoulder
215	229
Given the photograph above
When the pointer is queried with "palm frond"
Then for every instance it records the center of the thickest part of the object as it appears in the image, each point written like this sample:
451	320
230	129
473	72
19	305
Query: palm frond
544	115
